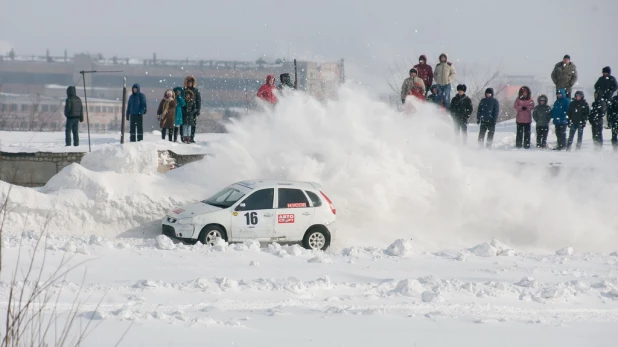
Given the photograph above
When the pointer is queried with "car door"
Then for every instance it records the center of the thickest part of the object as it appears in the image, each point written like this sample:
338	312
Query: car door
294	214
254	217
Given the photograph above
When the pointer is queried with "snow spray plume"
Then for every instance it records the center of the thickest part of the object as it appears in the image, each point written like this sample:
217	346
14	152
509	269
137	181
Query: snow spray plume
394	176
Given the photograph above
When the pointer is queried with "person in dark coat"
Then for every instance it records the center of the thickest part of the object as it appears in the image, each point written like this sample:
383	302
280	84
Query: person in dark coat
166	114
286	82
74	112
425	72
542	117
487	117
136	109
578	114
597	113
435	97
606	85
461	109
560	119
191	84
612	121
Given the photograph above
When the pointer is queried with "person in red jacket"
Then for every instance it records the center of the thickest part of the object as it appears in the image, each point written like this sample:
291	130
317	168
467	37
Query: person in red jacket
266	91
425	72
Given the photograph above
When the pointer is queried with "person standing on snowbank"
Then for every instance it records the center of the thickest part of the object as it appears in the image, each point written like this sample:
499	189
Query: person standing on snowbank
180	104
560	119
136	109
487	117
461	109
564	75
524	106
191	84
286	82
597	113
542	117
267	90
189	116
412	85
74	112
578	114
435	97
425	72
167	113
444	76
606	85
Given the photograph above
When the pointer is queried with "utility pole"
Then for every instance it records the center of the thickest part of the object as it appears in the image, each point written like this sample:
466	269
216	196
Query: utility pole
86	101
295	75
124	109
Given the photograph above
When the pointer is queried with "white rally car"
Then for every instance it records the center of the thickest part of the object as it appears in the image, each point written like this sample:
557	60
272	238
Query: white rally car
264	210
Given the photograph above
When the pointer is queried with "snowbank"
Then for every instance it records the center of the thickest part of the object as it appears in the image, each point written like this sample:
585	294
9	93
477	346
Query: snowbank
140	157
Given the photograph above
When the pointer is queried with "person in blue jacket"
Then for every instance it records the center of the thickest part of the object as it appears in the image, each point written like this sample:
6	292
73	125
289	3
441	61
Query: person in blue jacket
180	104
487	117
136	109
560	119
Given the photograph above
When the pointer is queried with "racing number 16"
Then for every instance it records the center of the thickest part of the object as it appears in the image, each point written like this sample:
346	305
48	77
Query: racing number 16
252	218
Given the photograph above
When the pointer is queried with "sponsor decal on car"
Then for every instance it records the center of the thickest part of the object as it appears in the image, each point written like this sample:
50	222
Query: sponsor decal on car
297	205
285	218
178	211
235	213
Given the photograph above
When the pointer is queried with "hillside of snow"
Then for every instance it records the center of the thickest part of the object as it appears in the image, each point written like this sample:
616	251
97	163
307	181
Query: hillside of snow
439	244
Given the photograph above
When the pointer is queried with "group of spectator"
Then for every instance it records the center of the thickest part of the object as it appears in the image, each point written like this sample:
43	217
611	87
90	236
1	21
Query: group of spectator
565	114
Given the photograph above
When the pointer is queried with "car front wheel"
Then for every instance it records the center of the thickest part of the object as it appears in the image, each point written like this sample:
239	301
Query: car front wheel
316	238
211	233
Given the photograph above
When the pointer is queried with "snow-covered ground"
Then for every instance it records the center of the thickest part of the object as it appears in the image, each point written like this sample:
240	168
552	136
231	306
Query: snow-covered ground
417	261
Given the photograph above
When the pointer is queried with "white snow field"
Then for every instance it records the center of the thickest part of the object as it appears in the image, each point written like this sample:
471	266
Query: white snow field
439	244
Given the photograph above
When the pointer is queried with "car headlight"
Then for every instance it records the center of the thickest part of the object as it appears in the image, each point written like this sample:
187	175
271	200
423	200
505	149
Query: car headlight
185	221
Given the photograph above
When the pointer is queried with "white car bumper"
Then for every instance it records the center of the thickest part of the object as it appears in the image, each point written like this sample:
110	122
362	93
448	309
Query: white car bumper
176	230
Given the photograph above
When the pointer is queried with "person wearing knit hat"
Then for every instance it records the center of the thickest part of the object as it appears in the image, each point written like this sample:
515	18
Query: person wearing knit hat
411	85
564	75
606	85
461	109
487	117
577	115
425	72
542	118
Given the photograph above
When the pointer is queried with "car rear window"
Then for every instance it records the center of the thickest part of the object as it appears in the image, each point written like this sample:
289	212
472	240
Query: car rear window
315	200
292	198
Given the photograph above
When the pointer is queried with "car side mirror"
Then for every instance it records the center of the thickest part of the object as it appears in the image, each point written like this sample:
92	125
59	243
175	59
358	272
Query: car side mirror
241	206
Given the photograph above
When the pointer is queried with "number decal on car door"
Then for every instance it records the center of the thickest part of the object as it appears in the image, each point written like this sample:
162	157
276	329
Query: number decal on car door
252	218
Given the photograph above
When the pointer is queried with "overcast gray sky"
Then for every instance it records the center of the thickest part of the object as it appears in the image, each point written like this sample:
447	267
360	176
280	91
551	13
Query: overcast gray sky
525	36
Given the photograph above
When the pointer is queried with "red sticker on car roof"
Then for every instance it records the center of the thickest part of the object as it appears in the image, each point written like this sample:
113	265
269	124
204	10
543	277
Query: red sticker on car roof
178	211
297	205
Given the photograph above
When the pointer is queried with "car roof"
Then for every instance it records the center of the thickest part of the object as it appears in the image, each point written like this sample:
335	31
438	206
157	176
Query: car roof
269	183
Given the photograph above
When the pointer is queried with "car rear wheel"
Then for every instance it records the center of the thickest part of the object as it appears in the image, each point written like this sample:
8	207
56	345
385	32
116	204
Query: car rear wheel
317	238
211	233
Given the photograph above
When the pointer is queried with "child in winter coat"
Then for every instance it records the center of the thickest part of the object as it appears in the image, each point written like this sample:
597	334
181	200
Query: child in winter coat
189	116
524	106
166	113
560	119
412	85
597	113
435	96
180	104
487	117
578	114
612	121
542	116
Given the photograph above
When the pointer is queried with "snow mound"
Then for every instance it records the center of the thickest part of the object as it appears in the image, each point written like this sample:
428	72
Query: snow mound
165	243
409	287
495	248
565	251
135	157
400	248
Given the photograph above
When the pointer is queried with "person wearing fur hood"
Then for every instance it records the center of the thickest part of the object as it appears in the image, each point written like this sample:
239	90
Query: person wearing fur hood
189	116
524	105
166	114
191	84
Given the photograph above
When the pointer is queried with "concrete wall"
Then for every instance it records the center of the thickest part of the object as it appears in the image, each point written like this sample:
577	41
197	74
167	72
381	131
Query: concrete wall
34	169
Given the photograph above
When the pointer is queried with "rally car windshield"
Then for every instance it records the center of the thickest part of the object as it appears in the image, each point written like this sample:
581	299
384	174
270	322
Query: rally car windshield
225	198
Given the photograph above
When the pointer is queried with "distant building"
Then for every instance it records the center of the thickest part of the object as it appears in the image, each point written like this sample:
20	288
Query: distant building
23	112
